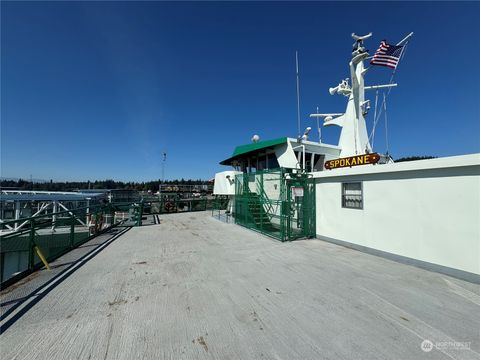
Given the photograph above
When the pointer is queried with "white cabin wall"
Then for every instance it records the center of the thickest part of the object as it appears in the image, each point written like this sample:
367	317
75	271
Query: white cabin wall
271	184
431	215
285	156
224	185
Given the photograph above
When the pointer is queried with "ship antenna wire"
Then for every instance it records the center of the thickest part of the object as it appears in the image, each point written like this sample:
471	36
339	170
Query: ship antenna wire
372	134
386	123
298	94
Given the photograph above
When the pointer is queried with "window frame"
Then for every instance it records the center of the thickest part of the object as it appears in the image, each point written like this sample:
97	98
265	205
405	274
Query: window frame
342	197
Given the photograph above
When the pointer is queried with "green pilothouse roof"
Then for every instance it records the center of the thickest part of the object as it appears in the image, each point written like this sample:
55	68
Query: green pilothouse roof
254	147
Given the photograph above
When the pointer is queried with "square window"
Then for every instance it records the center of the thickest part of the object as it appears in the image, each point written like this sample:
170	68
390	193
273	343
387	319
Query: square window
352	195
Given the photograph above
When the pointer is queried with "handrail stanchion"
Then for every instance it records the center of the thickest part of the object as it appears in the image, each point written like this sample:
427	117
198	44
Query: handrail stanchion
140	214
112	214
31	245
72	230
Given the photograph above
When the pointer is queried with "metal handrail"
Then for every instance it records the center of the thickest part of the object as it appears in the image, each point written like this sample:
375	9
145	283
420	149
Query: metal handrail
264	197
8	222
29	240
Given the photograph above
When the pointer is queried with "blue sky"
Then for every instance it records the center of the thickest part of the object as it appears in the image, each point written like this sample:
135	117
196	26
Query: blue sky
96	90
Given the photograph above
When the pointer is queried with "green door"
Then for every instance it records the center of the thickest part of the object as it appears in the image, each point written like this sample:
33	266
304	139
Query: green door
301	209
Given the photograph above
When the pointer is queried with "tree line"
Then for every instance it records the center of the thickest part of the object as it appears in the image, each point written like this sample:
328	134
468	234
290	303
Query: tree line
51	185
21	184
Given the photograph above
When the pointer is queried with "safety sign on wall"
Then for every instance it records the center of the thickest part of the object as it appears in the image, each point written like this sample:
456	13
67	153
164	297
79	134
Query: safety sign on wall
297	191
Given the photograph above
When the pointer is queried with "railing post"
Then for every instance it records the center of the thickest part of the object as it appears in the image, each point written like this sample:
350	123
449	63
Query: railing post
17	214
31	245
140	214
72	230
54	216
262	201
112	214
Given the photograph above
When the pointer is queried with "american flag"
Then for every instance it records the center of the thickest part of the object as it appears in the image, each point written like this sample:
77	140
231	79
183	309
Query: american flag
387	55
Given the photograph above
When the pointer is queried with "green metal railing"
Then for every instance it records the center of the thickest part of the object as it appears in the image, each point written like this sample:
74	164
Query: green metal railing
269	209
302	220
268	201
219	208
23	242
259	198
174	204
49	236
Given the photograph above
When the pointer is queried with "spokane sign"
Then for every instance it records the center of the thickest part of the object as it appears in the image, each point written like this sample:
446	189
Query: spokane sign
352	161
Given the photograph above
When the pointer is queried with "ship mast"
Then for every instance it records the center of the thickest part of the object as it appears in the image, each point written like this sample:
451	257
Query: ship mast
354	137
355	125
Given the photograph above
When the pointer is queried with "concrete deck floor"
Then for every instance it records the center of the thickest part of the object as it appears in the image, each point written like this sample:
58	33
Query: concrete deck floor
196	288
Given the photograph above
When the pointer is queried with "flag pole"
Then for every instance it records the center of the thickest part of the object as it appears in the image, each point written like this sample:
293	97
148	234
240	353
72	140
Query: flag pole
405	39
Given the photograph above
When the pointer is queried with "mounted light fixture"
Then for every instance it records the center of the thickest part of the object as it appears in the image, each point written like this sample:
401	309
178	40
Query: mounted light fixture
305	134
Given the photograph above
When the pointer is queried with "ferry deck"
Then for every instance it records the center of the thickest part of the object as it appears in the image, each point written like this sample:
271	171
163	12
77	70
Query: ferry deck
193	287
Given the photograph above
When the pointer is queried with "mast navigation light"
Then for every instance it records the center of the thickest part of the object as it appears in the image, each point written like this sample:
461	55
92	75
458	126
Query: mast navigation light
255	138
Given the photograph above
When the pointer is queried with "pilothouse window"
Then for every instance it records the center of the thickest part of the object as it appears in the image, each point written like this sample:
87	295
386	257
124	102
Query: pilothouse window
308	160
272	162
319	161
262	163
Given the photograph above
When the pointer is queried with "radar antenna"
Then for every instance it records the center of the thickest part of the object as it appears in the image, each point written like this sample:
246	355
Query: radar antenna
358	44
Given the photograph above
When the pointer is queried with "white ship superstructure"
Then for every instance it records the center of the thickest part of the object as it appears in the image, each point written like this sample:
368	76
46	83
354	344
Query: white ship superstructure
422	212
